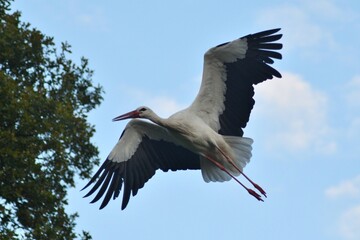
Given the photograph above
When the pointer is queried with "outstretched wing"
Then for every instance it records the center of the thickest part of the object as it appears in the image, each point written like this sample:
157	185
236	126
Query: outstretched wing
225	99
142	149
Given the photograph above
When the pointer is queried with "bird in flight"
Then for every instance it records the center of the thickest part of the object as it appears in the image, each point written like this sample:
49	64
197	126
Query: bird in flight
208	135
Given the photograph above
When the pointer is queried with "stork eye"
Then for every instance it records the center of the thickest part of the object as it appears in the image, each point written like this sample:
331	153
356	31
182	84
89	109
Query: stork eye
142	109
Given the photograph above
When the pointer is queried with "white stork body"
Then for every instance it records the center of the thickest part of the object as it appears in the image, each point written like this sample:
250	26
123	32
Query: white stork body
207	135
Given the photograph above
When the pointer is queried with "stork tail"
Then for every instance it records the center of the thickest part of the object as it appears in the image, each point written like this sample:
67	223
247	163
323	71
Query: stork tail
242	152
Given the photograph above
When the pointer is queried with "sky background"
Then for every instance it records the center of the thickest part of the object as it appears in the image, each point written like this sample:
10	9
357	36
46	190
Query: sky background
305	126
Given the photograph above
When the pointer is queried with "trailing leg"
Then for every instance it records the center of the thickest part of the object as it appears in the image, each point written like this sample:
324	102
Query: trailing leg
250	191
241	172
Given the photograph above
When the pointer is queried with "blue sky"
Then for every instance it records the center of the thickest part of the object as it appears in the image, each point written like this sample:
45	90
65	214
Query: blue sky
306	126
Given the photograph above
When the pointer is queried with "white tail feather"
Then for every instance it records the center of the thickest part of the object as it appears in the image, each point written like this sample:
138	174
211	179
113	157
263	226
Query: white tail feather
241	147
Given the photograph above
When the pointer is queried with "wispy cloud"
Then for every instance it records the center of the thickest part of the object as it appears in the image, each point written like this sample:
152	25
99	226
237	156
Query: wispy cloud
328	9
352	97
349	224
303	28
348	188
301	31
349	220
353	92
89	16
165	105
298	114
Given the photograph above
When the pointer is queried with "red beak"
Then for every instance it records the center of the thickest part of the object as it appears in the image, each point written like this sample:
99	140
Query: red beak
132	114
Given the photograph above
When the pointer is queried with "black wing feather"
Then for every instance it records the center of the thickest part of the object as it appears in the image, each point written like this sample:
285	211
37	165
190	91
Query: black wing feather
134	173
243	74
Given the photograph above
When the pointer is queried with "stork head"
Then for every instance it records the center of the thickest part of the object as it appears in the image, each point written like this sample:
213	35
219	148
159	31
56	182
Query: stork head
140	112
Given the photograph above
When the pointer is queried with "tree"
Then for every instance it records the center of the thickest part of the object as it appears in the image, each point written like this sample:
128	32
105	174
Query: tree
44	133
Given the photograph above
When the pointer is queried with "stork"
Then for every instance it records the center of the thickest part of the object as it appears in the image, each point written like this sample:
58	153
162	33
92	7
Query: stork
208	135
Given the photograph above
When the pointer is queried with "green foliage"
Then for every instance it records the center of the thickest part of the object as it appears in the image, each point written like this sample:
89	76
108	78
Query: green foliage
44	133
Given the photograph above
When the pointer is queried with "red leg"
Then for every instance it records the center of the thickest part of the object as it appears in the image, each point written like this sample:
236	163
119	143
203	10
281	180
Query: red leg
233	164
250	191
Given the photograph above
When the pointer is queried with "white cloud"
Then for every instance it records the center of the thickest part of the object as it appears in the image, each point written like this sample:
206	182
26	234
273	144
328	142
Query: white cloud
349	225
89	16
354	128
328	10
298	114
352	97
164	105
353	92
348	188
299	30
94	19
308	26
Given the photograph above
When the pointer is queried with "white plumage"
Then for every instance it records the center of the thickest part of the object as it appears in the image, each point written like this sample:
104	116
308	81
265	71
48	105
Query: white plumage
240	149
207	135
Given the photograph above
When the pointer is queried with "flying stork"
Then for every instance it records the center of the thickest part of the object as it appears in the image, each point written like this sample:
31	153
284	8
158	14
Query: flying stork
208	135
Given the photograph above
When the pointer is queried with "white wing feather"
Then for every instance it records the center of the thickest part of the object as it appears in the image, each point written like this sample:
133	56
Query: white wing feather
135	130
209	103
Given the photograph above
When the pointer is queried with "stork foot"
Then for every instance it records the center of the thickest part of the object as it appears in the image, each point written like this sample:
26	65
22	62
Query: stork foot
259	189
254	194
250	191
241	172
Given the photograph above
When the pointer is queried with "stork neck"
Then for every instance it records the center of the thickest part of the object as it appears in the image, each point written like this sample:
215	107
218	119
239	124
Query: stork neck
158	120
